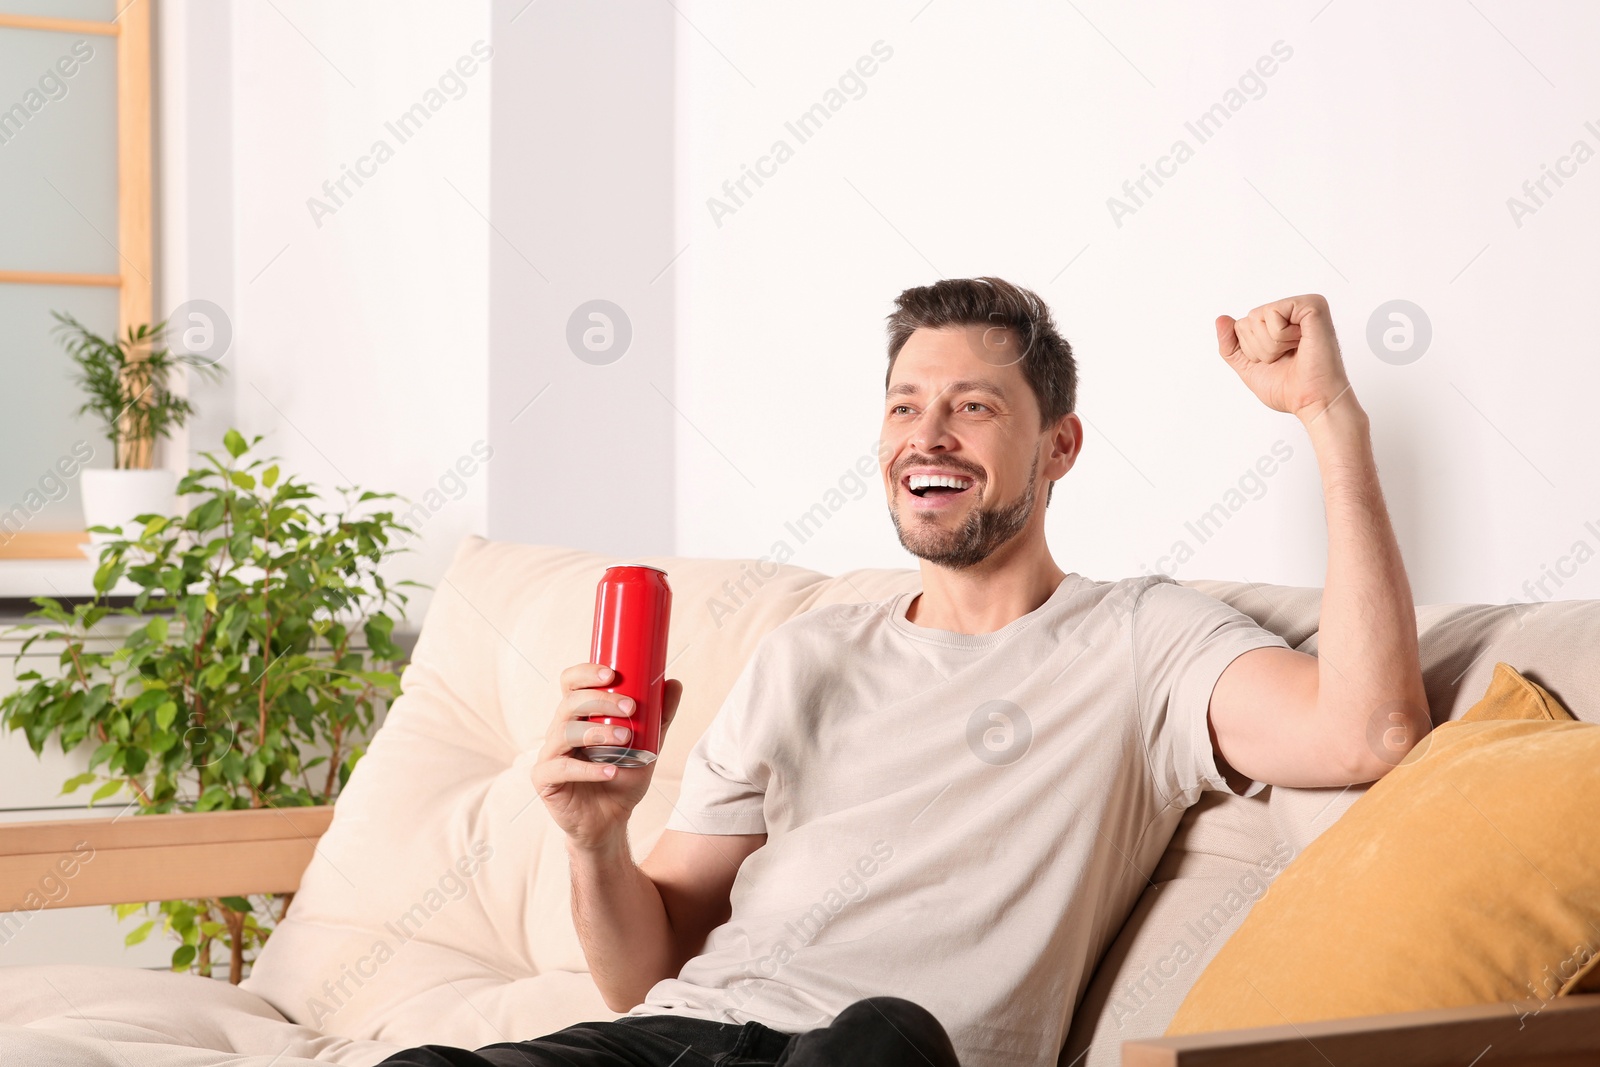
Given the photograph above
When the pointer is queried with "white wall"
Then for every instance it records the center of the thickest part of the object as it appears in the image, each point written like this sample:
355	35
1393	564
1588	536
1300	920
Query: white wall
1376	165
1373	164
582	201
195	206
360	325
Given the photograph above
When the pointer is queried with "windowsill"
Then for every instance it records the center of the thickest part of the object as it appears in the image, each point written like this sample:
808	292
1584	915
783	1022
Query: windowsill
24	578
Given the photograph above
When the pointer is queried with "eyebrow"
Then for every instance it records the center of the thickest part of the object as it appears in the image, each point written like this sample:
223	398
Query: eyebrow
965	385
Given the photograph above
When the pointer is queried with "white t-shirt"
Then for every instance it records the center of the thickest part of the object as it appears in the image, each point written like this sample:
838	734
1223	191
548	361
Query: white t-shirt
963	820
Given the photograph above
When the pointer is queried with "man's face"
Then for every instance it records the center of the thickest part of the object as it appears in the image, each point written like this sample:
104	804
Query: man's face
958	407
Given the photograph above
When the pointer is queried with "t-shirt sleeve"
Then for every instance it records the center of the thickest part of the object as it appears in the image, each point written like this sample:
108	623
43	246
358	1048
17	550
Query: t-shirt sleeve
1183	640
720	793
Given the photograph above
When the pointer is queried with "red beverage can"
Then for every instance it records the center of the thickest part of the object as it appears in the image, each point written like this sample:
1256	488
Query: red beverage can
632	608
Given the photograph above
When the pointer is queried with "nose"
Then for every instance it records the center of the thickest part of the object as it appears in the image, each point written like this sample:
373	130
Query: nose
931	432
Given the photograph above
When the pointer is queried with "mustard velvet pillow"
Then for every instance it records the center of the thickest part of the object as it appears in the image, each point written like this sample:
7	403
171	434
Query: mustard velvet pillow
1468	874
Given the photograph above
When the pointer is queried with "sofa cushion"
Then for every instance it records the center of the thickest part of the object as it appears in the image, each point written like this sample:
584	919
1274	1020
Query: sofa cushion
1511	697
1456	879
61	1014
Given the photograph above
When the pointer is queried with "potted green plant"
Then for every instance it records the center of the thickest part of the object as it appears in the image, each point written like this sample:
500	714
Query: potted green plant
247	672
129	386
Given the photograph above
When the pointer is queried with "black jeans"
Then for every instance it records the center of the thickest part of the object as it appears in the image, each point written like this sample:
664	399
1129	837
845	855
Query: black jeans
876	1032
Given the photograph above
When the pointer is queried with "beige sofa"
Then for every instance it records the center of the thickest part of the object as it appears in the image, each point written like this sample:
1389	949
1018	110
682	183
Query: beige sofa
434	907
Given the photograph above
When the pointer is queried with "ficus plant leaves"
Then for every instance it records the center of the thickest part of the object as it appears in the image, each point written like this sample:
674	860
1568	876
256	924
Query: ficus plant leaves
258	649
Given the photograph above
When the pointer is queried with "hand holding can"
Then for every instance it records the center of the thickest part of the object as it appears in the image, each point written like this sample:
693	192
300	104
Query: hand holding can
612	713
591	802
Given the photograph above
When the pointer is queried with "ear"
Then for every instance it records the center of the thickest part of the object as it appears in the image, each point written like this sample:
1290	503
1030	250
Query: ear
1066	442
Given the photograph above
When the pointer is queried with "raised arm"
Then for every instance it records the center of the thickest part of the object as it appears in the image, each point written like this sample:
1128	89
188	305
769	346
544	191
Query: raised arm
1351	712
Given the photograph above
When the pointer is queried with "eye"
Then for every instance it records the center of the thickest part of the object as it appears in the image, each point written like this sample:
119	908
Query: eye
969	405
899	409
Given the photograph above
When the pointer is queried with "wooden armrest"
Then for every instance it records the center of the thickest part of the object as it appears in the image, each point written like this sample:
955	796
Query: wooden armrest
76	862
1560	1032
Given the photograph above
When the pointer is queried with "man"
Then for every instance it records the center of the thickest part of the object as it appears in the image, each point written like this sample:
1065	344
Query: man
915	825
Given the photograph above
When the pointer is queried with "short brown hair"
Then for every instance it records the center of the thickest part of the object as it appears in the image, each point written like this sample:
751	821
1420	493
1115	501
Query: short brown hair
1047	361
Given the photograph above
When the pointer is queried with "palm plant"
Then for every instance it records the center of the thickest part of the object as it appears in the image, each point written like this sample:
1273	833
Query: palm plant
128	381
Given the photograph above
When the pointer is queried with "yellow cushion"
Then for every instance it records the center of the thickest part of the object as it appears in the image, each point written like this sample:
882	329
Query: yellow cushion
1468	874
1511	696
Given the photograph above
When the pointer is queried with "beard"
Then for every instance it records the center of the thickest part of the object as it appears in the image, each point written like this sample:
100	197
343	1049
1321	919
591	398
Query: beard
984	531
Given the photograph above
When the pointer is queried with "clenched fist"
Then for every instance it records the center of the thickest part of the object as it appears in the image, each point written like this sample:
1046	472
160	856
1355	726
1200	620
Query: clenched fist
1287	354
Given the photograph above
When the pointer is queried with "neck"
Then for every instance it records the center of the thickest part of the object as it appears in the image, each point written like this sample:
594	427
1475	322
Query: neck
988	596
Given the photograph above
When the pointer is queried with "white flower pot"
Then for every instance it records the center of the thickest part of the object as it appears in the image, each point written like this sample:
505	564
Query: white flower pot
113	498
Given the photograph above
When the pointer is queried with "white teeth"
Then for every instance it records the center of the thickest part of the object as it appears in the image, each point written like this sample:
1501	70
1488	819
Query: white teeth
923	481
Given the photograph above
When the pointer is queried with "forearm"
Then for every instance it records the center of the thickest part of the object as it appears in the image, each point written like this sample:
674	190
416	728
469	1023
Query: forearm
622	924
1369	667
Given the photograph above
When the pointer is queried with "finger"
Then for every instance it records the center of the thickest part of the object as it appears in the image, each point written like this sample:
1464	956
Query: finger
563	737
671	696
550	774
1269	348
1251	345
570	729
593	703
1280	328
585	676
1297	308
1227	338
580	733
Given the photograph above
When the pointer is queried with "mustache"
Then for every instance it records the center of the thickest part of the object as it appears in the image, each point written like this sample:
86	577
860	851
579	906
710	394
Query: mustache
943	465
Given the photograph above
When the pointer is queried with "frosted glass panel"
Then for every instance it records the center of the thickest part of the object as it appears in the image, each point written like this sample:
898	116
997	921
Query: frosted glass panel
95	10
58	152
37	399
58	188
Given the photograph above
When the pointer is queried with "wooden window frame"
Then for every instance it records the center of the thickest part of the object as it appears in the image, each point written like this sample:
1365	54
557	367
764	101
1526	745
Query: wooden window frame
135	210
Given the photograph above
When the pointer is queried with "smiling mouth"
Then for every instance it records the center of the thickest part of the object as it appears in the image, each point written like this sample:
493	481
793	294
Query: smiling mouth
936	486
